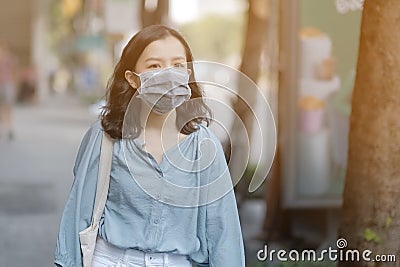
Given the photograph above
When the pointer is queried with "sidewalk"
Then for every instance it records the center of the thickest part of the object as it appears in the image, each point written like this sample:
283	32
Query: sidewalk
36	174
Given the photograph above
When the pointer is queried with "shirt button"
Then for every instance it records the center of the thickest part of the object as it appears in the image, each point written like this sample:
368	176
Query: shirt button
156	221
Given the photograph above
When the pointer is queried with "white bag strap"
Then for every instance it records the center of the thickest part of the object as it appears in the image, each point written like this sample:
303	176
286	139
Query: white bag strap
103	178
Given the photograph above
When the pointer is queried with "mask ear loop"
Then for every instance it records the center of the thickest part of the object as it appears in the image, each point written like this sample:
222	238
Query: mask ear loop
138	77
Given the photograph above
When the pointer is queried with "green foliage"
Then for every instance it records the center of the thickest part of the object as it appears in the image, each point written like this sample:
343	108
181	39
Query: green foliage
389	221
63	29
59	26
215	37
370	235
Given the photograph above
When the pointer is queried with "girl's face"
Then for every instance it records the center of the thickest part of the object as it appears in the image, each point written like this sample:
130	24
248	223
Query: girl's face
163	53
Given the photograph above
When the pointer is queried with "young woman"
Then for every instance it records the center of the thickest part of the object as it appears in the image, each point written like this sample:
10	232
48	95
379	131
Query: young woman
170	200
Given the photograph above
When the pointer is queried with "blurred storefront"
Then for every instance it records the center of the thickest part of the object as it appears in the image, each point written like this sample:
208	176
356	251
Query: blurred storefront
318	54
320	47
69	44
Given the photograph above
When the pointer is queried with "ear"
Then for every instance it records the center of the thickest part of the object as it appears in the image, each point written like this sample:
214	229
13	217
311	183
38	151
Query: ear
189	71
131	79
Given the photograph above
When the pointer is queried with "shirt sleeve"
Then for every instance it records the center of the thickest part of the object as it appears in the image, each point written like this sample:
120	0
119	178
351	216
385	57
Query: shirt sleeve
79	205
223	230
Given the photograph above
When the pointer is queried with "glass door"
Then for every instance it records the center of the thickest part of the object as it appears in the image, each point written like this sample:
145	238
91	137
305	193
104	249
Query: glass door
318	52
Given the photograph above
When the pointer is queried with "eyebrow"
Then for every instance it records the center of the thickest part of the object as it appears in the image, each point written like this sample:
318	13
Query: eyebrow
159	59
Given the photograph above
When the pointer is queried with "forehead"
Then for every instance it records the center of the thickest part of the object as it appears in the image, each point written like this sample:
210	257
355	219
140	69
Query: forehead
169	47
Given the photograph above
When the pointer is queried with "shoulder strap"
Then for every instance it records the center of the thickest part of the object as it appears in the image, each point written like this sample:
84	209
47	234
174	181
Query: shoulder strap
103	178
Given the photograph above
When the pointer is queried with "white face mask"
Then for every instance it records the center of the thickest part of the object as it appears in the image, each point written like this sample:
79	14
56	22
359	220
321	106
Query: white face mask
164	89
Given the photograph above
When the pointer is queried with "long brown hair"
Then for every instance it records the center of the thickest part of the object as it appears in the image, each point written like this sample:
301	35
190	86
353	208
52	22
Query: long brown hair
120	93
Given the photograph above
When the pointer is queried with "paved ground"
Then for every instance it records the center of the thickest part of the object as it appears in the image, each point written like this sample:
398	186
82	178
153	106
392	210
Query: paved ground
36	175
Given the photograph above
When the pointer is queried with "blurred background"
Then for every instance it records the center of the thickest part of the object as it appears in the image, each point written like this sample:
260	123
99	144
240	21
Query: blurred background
59	54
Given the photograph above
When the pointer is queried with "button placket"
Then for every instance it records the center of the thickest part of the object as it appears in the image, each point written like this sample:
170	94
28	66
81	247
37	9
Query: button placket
157	208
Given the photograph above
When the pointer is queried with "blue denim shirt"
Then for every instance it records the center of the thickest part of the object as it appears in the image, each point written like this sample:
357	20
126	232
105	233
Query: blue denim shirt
185	204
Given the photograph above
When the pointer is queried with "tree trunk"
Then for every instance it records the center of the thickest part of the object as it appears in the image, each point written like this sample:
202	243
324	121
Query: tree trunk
371	214
277	221
256	37
254	42
154	15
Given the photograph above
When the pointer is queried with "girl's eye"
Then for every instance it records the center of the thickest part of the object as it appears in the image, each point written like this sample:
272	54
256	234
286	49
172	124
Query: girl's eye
155	66
179	65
